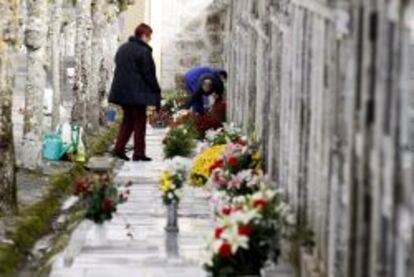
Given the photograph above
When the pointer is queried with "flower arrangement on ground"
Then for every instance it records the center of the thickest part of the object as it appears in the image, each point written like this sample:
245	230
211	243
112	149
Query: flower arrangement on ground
160	120
174	101
247	235
237	157
179	141
100	197
200	172
228	134
244	182
173	178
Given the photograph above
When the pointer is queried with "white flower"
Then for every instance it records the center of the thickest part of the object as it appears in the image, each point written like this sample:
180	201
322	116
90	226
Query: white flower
231	234
178	164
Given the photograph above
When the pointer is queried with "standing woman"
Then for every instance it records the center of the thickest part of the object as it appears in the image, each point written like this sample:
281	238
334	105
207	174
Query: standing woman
134	88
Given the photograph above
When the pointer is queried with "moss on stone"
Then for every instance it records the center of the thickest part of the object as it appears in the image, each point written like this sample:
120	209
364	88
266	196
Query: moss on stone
34	222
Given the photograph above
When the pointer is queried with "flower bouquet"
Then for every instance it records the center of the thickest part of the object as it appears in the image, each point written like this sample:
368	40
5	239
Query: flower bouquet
160	120
244	182
228	134
179	141
100	197
238	156
200	172
174	101
246	236
173	178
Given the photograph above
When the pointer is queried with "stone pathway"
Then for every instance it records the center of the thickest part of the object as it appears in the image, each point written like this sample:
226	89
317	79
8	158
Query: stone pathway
152	253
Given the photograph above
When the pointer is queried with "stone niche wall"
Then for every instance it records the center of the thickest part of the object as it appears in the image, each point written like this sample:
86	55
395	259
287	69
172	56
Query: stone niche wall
198	43
328	87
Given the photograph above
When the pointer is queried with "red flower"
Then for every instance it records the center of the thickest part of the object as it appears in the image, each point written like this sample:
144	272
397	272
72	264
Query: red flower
218	232
108	205
259	203
245	230
81	186
232	161
225	250
226	210
217	164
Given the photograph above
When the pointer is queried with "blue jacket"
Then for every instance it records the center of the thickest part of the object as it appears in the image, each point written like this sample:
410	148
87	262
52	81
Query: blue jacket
193	79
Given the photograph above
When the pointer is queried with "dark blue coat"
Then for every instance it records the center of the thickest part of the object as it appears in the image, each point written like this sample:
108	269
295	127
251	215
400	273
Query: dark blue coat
135	82
194	78
197	98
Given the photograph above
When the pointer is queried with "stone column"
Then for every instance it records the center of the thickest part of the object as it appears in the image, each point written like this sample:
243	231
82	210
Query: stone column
99	23
83	53
56	61
8	36
36	43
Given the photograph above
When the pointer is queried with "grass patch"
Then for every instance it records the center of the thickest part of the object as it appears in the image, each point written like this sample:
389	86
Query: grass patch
32	223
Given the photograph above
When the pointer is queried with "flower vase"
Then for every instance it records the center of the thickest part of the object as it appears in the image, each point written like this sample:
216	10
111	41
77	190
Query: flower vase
76	243
100	234
172	217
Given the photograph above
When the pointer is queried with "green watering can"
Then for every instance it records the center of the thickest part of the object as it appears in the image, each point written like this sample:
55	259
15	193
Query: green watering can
53	146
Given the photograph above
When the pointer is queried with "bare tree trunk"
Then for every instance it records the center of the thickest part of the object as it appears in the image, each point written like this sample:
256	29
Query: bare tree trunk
56	61
36	43
83	62
8	32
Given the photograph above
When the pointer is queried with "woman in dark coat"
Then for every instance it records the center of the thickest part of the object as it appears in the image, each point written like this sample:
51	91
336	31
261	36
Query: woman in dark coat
135	87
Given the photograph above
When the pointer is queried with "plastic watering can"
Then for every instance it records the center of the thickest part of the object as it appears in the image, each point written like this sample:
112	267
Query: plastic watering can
54	148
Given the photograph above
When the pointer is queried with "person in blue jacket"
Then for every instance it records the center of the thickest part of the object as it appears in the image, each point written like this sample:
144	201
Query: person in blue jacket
202	82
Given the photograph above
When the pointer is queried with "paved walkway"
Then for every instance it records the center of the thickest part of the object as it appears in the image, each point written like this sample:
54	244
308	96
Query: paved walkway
151	253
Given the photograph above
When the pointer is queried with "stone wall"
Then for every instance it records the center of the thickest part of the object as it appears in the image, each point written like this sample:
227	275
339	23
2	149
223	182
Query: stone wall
328	87
191	35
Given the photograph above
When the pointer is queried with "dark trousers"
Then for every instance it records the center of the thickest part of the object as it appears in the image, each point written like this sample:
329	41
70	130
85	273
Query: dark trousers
134	121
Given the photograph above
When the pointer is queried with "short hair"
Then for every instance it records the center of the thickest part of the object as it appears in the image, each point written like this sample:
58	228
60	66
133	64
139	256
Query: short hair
143	29
223	73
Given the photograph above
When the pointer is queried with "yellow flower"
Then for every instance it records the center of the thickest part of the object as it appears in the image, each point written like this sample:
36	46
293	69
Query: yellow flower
202	164
166	181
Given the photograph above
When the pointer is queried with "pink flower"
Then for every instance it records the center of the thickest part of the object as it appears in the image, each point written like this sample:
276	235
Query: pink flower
219	179
236	181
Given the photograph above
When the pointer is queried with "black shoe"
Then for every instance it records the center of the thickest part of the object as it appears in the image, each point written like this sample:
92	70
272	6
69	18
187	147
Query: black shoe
121	156
141	159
